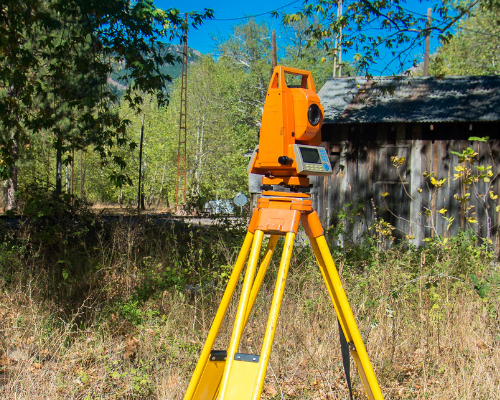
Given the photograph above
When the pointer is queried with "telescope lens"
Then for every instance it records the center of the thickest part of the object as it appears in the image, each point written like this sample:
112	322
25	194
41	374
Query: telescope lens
314	114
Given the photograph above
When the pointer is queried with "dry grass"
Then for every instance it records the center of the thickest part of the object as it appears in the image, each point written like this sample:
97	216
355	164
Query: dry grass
437	342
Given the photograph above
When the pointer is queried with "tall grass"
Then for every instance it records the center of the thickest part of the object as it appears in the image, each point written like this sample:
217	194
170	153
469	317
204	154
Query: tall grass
120	311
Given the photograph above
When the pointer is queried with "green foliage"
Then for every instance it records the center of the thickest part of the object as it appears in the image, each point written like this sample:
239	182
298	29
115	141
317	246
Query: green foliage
55	68
51	220
473	48
73	253
224	118
121	82
55	231
130	381
472	175
456	260
225	98
130	311
398	29
484	286
196	263
225	94
477	183
305	51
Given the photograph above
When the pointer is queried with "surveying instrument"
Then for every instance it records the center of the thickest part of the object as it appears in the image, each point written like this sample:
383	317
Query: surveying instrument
289	150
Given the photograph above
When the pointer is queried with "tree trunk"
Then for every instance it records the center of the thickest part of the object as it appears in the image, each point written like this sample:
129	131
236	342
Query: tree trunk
12	181
72	171
140	194
161	189
81	175
58	170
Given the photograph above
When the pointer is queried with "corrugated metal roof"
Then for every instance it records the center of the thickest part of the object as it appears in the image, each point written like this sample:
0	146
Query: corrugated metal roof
416	99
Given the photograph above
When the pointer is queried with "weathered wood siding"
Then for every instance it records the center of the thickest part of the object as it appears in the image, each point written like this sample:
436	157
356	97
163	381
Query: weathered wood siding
363	172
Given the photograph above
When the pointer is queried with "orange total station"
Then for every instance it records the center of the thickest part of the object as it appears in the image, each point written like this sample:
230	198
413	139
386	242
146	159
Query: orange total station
289	151
290	135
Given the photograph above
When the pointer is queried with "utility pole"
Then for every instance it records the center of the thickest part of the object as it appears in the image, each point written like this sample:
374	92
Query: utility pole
427	42
274	53
337	52
181	178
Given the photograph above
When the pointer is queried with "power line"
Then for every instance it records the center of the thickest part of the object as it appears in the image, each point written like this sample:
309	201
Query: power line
256	15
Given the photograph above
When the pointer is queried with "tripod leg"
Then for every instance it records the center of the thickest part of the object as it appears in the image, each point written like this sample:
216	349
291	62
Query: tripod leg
221	312
242	310
261	273
346	318
273	315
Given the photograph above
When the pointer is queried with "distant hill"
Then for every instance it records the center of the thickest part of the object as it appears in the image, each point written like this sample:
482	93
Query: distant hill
119	83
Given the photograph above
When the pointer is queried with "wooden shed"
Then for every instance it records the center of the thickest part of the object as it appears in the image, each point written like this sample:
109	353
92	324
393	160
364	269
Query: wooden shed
422	120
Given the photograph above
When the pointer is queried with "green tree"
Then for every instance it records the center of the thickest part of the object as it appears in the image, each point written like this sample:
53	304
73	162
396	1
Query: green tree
303	51
371	28
225	99
249	49
224	125
474	48
35	68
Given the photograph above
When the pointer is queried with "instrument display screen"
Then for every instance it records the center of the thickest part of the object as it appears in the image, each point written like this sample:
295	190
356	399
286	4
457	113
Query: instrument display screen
312	160
310	155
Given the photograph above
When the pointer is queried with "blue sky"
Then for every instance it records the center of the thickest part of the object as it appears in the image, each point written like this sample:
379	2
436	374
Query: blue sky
227	14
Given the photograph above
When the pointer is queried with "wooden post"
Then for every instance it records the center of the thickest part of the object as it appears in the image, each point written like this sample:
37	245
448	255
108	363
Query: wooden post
427	43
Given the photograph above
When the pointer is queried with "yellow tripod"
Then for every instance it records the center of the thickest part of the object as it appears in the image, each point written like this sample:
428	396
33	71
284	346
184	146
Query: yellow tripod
229	375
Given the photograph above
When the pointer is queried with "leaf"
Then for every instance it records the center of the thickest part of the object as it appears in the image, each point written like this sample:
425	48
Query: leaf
472	220
478	139
131	347
385	194
442	211
270	390
437	183
450	221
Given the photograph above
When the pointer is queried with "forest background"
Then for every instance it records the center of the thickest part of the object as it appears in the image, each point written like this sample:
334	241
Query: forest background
225	95
93	307
226	91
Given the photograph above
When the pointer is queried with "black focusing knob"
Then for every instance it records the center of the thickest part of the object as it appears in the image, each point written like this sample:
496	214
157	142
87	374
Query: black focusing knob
284	160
